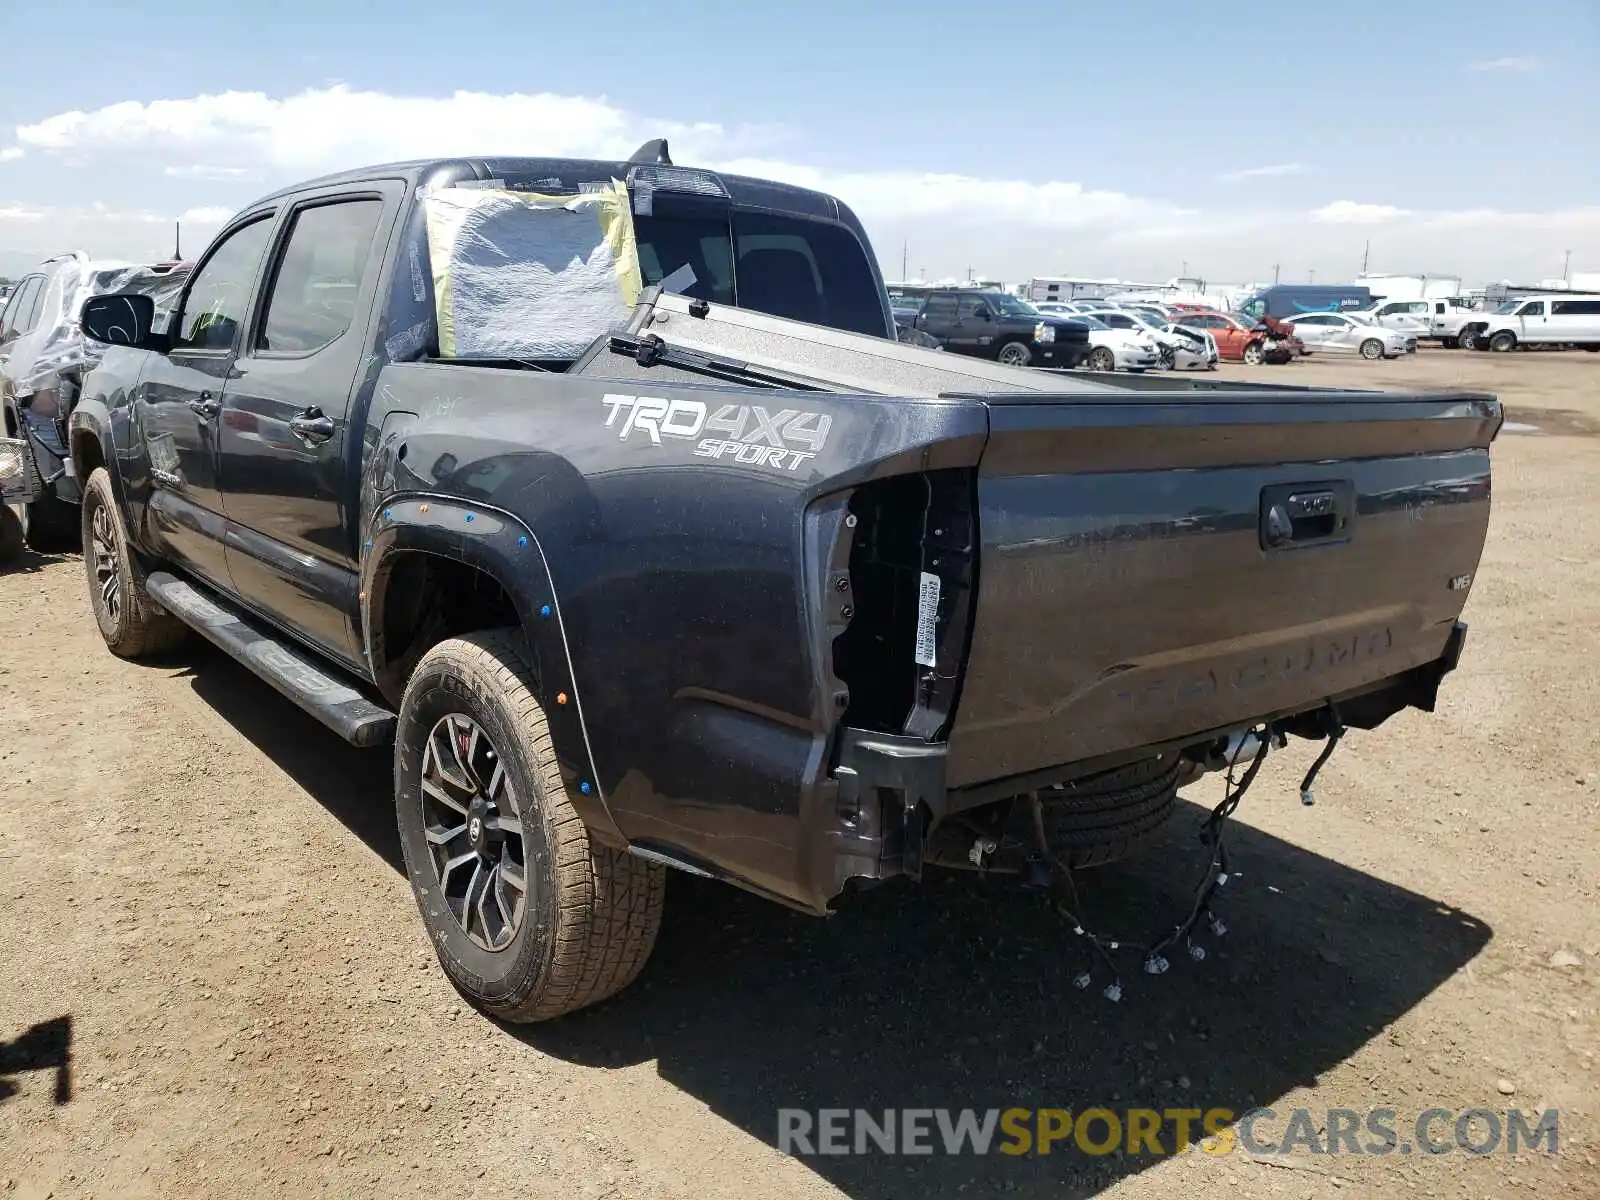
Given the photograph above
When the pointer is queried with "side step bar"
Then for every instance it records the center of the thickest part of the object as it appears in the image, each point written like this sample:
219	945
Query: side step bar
327	698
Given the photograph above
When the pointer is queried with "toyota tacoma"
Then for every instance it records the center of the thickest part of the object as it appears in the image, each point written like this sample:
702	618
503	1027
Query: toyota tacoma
604	492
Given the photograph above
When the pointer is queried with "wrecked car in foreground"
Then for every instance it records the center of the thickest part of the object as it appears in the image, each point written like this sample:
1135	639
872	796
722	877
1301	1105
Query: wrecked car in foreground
635	578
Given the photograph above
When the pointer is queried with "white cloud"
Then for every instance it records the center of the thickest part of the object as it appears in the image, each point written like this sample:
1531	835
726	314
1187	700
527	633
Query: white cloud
1522	63
1348	212
214	214
210	173
12	153
1272	171
1011	227
330	128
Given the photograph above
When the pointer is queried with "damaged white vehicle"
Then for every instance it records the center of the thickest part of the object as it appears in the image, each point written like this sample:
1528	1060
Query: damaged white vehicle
1182	348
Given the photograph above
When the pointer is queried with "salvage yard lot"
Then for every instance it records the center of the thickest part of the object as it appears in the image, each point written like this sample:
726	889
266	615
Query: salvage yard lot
201	889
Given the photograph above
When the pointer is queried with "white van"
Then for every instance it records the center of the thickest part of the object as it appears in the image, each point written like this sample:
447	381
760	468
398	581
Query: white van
1549	320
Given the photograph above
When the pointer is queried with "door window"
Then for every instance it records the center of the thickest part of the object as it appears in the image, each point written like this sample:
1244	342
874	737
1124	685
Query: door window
1576	308
1533	309
24	303
940	308
971	306
314	292
214	307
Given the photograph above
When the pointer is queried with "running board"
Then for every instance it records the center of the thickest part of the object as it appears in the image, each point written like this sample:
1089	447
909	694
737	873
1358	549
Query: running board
327	698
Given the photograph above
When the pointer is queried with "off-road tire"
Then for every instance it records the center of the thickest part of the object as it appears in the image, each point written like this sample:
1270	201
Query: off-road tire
1254	354
1372	349
10	536
1021	352
1503	342
53	525
1101	358
138	627
1108	816
591	913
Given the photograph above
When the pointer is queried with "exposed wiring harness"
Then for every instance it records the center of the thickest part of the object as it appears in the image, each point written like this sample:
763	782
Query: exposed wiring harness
1212	834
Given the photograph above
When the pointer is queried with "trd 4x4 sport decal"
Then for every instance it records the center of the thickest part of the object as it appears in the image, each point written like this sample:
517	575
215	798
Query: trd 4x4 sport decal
751	434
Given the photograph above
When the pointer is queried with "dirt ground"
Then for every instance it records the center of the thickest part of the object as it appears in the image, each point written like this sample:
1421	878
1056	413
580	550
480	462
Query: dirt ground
213	980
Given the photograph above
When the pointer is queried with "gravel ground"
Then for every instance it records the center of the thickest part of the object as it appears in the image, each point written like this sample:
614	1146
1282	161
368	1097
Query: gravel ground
212	977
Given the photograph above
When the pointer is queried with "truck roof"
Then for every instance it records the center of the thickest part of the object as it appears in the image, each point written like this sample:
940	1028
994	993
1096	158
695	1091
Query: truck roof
565	174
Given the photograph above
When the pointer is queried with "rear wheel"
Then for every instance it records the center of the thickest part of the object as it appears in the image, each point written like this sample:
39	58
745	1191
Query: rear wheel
530	917
130	622
1467	339
1015	354
1101	359
1371	348
1255	354
1503	342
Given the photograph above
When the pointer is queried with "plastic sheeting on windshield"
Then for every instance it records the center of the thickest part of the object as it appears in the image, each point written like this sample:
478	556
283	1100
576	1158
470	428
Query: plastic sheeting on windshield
56	345
523	275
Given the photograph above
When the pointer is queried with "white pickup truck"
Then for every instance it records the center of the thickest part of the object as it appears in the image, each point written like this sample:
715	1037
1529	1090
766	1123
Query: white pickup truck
1433	317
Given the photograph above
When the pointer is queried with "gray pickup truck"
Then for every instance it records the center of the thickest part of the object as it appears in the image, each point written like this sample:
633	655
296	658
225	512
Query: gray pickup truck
604	492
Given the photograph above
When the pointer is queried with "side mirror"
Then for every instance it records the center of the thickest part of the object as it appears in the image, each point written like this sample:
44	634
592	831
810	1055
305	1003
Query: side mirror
120	320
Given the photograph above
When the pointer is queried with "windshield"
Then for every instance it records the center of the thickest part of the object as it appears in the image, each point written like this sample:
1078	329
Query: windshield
1091	322
1011	306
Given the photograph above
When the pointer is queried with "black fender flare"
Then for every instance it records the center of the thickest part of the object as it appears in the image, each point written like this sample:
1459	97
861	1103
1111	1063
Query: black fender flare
92	419
501	546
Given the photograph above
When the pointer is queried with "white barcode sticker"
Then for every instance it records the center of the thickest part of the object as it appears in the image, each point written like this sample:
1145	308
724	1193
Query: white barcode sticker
927	615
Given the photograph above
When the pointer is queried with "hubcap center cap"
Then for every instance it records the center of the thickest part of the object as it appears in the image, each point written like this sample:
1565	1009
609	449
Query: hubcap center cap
482	834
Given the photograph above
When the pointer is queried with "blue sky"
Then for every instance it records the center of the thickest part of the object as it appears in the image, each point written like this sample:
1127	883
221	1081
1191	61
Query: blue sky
1094	139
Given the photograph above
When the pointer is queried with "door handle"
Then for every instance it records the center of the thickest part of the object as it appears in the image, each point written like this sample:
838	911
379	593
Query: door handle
1294	515
206	405
312	426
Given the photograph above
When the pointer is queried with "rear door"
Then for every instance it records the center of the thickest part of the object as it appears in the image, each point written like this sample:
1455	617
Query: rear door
1316	332
1134	588
938	318
288	486
179	400
1577	320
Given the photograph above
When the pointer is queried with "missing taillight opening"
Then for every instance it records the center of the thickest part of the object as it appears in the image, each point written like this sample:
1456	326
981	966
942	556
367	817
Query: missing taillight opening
911	563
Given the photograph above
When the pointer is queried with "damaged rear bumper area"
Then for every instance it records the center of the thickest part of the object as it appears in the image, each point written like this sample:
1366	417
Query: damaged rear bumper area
895	811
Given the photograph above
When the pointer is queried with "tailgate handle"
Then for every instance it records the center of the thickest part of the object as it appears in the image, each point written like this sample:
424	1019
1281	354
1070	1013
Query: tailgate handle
1297	515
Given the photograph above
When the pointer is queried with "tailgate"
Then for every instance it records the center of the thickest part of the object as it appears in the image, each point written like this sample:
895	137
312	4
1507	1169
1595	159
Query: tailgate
1153	568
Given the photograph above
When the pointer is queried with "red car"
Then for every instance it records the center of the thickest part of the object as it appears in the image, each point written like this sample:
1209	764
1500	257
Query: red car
1267	340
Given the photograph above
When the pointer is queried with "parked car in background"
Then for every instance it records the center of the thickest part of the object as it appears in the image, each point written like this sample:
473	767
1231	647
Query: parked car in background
1114	349
44	357
1238	341
1003	327
1550	320
1346	333
1182	349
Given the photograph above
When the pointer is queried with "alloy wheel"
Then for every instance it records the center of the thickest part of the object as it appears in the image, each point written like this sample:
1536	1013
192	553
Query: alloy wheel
107	571
473	825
